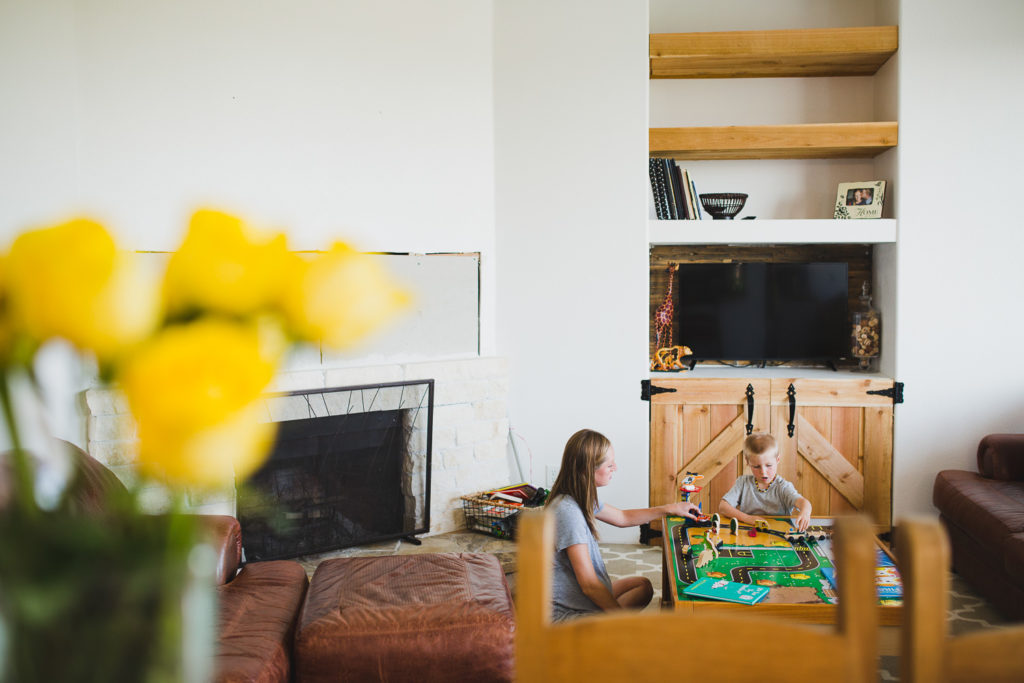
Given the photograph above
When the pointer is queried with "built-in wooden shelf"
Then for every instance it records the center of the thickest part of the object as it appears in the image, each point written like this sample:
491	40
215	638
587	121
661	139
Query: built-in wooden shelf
773	231
797	141
858	51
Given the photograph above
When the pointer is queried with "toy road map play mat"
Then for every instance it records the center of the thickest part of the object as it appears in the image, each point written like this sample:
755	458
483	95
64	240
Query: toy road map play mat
797	569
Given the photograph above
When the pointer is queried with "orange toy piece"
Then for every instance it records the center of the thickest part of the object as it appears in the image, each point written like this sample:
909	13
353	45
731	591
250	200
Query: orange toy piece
670	358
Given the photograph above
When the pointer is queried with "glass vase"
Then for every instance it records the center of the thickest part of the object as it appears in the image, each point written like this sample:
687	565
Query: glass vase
866	332
102	597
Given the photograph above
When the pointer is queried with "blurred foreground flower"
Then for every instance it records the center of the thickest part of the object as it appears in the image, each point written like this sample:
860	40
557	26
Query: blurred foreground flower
233	298
225	266
194	391
340	296
70	281
102	596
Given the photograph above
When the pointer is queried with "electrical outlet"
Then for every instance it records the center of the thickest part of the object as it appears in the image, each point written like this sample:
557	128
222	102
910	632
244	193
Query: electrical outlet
551	472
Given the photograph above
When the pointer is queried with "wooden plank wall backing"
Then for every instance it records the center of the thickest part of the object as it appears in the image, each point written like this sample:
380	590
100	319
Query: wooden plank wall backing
857	256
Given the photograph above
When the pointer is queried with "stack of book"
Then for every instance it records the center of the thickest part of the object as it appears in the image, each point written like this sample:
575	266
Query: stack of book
675	196
887	578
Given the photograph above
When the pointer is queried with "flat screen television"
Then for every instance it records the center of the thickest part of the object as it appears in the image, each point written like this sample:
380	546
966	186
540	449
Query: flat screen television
763	311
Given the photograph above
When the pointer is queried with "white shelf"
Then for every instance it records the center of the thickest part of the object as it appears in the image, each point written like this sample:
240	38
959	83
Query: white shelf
714	371
792	231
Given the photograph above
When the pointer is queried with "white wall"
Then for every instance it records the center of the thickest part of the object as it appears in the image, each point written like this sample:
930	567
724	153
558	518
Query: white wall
38	160
365	121
960	277
331	118
570	149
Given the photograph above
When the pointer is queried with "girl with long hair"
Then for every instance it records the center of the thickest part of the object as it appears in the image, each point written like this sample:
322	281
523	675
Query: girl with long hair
580	583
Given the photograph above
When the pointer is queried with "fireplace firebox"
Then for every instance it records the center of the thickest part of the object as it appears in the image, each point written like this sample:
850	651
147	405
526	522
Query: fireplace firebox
350	465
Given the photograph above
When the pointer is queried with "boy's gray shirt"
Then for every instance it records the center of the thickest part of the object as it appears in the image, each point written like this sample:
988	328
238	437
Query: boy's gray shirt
779	499
571	529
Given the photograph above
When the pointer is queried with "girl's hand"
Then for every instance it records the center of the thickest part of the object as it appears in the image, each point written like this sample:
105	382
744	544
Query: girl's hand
683	509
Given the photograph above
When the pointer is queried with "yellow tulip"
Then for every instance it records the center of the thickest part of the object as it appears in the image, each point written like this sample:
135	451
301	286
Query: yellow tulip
340	296
71	281
195	392
213	458
225	266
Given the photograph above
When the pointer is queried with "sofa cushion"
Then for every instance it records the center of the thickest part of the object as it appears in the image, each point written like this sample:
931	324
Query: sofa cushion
256	622
987	509
1001	456
1014	557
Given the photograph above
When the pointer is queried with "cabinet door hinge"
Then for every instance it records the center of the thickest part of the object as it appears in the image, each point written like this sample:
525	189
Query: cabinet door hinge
646	390
647	534
895	392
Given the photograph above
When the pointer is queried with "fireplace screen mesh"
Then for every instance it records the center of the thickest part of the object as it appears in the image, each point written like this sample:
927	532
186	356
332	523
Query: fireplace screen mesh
350	465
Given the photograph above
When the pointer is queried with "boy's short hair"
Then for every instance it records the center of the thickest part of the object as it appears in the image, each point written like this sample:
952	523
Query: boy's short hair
759	443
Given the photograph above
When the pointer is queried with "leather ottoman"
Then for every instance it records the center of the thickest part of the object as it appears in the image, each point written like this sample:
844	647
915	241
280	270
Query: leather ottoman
428	617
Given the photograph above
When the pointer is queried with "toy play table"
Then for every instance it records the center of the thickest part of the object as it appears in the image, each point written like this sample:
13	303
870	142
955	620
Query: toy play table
795	571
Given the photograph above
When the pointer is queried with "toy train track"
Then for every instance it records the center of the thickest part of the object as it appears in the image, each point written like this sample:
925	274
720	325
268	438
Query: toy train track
801	543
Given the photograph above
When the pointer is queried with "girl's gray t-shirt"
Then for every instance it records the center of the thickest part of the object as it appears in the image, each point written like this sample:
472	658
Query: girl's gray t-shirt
571	529
779	499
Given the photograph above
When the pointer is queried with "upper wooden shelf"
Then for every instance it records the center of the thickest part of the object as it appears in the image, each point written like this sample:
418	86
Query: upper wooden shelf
799	141
858	51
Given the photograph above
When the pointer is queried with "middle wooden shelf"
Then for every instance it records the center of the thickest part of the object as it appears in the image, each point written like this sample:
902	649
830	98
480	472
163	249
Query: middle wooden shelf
795	141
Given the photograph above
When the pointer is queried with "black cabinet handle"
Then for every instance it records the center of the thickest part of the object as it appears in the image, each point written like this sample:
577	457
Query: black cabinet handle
791	393
750	408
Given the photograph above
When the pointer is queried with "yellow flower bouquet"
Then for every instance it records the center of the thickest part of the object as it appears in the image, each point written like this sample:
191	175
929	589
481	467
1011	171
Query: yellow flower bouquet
98	596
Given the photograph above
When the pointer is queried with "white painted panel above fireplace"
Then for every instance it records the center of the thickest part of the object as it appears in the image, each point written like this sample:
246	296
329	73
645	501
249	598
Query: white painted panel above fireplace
443	320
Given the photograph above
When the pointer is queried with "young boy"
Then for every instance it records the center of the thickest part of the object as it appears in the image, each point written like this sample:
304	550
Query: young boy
764	492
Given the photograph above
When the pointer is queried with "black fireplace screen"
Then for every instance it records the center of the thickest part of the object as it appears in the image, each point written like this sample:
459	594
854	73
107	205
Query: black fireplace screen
351	465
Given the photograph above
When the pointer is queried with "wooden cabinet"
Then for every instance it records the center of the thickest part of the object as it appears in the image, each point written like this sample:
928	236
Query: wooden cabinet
834	436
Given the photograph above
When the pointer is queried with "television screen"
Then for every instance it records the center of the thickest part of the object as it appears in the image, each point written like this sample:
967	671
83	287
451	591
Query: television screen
763	311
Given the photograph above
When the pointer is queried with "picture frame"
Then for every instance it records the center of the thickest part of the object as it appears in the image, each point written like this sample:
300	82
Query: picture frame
860	199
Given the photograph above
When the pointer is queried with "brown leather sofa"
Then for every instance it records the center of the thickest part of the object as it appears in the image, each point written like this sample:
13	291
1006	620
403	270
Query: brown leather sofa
983	512
257	606
456	606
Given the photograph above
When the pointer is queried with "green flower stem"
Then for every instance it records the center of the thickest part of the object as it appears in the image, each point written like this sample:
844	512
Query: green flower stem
24	489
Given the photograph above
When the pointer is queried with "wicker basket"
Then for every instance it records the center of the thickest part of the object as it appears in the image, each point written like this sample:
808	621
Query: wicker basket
723	205
492	517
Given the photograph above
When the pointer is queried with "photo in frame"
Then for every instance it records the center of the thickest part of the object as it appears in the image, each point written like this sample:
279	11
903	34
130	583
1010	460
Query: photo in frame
862	199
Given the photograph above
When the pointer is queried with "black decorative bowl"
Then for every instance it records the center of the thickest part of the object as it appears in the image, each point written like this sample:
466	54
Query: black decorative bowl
723	205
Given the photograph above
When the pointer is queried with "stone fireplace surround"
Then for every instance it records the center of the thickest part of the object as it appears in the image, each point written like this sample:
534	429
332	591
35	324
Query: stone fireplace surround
470	440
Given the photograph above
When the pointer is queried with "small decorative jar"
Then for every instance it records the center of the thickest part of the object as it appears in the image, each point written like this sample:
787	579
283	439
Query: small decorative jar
866	335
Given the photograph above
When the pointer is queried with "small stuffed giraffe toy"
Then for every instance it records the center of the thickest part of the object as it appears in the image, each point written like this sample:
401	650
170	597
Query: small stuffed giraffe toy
663	316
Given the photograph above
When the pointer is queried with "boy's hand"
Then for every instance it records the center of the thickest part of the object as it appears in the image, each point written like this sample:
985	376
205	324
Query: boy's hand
803	520
683	509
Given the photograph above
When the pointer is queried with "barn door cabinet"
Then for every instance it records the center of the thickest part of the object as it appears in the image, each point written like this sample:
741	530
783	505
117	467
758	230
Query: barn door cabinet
835	438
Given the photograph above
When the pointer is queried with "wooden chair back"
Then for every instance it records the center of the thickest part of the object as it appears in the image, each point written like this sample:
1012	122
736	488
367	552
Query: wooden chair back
928	653
662	646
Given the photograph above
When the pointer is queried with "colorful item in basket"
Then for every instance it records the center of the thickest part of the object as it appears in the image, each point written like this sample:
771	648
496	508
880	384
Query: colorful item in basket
506	497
